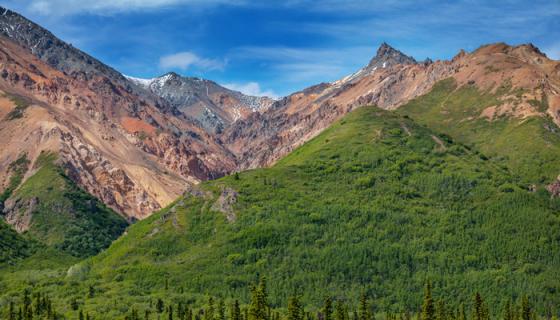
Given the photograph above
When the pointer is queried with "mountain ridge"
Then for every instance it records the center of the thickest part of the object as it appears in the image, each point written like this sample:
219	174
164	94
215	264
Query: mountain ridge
213	105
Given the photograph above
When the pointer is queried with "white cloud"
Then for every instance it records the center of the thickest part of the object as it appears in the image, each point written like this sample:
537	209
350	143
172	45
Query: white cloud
67	7
251	89
187	59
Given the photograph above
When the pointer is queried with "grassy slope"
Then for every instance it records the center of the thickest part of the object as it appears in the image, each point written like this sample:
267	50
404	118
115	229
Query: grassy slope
529	147
66	217
364	206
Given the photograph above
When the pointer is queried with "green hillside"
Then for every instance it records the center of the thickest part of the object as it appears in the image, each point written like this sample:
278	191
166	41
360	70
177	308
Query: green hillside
63	216
13	247
375	204
529	147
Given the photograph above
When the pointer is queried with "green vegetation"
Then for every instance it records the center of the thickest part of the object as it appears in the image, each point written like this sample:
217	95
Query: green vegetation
17	169
21	104
62	215
528	147
13	247
30	306
376	205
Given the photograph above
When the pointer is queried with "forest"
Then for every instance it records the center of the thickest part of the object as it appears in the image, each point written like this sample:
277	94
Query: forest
39	306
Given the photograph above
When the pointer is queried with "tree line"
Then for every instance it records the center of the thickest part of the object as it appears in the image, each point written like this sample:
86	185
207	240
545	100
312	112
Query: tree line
39	306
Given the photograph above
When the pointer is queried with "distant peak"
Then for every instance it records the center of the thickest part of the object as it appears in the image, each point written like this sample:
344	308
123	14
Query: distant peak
170	74
387	56
384	48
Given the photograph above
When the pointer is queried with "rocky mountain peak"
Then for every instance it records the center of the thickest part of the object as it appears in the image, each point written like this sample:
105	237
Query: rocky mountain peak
387	56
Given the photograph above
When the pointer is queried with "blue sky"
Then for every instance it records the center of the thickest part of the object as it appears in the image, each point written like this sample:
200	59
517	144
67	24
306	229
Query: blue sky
278	47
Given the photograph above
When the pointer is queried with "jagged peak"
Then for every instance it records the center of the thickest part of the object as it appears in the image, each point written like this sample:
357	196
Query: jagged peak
387	56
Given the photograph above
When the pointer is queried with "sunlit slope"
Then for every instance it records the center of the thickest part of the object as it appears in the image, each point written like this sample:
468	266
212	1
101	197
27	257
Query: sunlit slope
375	203
528	145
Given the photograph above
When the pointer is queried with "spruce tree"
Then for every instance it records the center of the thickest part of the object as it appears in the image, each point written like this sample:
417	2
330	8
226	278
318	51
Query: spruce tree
461	315
328	309
428	309
526	313
441	311
295	309
221	310
235	312
480	310
159	306
340	311
209	312
258	309
180	311
363	309
507	313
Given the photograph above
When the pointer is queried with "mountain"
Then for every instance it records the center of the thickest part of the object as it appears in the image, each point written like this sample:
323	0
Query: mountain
401	172
519	82
214	106
375	204
115	139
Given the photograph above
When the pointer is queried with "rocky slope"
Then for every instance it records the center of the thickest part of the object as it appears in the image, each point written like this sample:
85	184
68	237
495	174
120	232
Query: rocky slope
115	139
389	80
136	144
214	106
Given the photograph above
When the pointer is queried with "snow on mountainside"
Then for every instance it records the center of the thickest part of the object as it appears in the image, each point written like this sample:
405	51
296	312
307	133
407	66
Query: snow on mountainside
214	106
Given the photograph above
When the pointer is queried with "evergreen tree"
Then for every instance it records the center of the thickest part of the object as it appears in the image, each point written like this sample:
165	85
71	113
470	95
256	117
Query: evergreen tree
363	309
441	312
159	306
74	304
428	309
507	313
480	310
11	311
526	313
209	312
340	311
235	312
461	315
180	311
221	310
295	309
258	309
328	309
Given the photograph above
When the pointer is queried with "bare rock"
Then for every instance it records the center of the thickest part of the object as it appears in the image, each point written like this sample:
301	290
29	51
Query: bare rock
225	203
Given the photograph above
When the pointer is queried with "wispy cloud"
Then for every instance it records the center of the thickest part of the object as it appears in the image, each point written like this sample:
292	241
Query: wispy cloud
251	89
103	7
305	64
185	60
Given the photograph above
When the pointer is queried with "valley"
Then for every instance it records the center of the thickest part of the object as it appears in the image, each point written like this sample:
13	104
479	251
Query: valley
130	198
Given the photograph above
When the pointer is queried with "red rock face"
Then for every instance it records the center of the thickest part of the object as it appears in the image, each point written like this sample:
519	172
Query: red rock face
121	148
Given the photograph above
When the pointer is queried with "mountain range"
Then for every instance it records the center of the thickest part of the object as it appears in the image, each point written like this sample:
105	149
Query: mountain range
404	161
